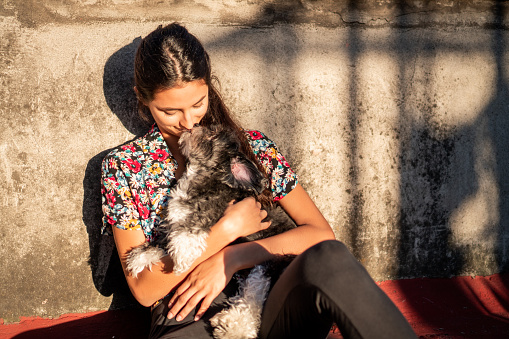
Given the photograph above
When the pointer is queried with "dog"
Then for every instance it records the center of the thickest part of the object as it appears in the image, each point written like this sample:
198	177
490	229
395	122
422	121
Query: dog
217	172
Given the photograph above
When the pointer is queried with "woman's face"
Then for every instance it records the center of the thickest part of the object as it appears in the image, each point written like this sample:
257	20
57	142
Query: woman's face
179	108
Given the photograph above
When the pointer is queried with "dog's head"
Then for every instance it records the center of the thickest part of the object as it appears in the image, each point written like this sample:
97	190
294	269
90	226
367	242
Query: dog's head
197	146
216	151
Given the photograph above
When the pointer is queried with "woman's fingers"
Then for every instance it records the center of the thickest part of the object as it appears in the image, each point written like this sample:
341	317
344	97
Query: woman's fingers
245	217
205	304
189	306
179	291
266	225
179	298
179	303
203	285
187	301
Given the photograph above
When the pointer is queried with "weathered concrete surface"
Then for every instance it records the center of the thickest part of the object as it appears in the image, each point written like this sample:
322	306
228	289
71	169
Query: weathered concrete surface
396	121
33	13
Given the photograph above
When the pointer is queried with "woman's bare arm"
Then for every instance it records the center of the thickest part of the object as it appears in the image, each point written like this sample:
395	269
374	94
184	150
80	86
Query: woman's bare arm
240	219
312	229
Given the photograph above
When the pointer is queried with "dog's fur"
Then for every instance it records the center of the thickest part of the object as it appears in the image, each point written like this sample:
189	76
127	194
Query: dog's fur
216	173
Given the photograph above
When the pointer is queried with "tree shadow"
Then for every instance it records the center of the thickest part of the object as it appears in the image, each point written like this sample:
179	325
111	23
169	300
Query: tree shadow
429	161
497	113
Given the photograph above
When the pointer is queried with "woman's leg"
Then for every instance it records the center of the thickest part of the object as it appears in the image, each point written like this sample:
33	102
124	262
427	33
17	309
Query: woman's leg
326	284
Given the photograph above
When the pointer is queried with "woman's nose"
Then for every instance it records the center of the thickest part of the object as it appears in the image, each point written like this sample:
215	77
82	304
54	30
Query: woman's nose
187	121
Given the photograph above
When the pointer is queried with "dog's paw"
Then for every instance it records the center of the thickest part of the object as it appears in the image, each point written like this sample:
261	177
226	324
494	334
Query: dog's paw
236	322
184	248
179	269
134	270
141	257
241	320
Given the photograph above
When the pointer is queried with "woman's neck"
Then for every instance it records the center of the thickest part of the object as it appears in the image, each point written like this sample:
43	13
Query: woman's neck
172	143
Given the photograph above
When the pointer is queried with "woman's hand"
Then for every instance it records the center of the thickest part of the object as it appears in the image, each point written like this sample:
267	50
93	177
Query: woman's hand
203	284
244	218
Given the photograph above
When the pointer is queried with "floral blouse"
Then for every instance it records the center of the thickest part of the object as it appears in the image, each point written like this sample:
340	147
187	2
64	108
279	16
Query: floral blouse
137	178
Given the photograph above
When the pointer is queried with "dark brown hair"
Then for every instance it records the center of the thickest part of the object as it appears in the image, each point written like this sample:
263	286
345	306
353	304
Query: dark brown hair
171	56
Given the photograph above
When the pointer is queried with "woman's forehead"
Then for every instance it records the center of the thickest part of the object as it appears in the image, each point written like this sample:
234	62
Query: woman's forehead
182	96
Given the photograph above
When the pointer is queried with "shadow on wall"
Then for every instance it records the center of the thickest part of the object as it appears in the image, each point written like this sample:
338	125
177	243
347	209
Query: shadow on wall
423	166
107	273
429	158
438	168
118	84
429	161
426	166
497	113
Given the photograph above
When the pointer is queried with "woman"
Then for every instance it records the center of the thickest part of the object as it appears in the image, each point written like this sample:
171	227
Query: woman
324	284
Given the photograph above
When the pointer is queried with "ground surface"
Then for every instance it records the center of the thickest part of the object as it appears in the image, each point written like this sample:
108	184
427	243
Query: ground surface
462	307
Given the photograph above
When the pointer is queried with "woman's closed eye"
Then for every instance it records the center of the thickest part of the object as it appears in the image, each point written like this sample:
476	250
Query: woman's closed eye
199	104
170	113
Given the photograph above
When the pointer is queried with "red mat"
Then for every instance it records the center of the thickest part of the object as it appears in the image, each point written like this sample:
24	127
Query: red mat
461	307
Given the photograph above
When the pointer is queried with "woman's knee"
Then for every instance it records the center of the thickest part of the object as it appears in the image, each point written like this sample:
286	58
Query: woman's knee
325	258
326	250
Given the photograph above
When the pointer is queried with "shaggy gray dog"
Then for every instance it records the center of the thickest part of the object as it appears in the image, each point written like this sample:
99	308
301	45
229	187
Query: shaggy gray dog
216	173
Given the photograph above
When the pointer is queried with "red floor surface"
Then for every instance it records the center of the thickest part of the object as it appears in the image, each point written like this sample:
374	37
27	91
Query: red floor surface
462	307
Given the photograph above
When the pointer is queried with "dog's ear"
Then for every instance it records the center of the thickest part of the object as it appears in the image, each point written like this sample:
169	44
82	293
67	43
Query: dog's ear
244	174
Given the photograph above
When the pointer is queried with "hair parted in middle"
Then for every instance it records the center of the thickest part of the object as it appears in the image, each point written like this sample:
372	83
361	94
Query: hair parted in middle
170	56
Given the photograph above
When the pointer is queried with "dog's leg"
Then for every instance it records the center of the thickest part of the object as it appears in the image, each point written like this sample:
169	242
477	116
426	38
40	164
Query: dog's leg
185	246
184	242
242	319
143	256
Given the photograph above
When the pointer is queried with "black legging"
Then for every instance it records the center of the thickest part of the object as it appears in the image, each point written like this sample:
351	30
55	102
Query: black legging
323	285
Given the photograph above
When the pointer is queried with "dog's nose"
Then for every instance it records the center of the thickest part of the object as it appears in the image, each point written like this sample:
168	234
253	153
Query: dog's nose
192	129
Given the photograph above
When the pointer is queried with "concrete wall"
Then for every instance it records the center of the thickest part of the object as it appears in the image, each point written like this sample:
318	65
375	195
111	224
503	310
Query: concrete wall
395	114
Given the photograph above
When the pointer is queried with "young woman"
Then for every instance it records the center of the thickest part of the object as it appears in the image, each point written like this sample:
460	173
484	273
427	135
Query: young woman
323	285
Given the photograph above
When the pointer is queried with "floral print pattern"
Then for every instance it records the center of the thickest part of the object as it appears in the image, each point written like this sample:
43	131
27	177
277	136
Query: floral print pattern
137	177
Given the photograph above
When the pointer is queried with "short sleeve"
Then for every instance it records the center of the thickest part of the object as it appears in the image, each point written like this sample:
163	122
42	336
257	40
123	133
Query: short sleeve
282	178
118	202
